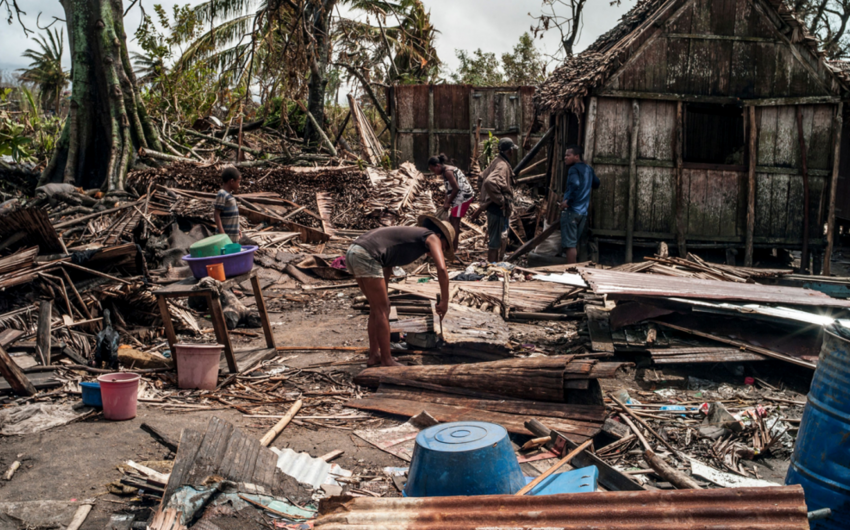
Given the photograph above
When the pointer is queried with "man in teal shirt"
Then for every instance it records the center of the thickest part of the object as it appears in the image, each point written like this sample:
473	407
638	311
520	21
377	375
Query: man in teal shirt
581	179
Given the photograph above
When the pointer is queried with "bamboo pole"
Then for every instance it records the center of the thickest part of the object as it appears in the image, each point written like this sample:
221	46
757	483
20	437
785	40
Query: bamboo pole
274	431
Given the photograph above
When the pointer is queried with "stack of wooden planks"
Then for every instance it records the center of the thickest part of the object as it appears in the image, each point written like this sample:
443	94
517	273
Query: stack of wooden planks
507	392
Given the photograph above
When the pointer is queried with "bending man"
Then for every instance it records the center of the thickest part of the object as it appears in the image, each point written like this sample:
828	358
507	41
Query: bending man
371	259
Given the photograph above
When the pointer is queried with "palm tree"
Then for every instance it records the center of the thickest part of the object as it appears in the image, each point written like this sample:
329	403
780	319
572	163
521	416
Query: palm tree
148	67
46	71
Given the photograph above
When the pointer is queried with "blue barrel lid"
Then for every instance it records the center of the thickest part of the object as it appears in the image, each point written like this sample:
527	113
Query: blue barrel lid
460	436
90	384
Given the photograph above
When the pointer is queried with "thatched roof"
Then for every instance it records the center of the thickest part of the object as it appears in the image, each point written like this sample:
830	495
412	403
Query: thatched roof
581	74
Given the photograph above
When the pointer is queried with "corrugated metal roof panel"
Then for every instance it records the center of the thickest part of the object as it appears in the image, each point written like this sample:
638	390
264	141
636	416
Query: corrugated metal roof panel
308	470
781	508
629	283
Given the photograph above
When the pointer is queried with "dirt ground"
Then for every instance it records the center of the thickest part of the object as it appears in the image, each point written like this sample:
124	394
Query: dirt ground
76	461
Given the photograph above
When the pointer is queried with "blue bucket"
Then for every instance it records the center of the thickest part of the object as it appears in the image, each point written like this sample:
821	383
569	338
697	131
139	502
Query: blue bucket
91	394
463	458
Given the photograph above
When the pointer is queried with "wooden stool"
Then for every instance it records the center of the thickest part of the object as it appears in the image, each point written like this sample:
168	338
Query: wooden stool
187	289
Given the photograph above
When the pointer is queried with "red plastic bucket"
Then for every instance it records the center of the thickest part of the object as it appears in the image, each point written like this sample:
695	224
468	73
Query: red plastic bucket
120	395
197	365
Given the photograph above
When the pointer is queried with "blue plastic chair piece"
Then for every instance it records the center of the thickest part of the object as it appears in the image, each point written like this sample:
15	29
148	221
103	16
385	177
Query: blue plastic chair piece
576	481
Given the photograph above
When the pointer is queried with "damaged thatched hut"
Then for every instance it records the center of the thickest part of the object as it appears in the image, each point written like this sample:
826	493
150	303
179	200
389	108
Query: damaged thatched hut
711	123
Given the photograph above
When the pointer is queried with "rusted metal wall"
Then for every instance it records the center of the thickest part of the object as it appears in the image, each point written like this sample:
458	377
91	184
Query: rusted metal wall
779	508
432	119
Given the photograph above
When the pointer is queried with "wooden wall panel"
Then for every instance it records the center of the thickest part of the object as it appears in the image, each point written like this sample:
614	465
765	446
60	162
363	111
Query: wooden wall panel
451	107
655	209
613	126
786	150
657	123
820	141
766	119
742	65
611	200
405	147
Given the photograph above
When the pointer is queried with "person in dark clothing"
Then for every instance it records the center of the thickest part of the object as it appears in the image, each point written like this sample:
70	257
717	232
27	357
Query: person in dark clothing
371	259
496	199
581	179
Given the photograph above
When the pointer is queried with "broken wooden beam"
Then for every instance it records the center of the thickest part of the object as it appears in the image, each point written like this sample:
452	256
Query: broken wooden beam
13	374
45	313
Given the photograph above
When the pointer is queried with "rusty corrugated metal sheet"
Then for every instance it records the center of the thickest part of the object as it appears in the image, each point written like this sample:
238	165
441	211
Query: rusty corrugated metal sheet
780	508
630	283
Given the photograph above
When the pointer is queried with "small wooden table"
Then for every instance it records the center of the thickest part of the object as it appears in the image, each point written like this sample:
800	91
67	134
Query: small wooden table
187	289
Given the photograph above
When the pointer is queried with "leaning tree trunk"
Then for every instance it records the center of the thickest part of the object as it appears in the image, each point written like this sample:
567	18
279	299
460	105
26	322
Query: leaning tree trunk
106	122
319	16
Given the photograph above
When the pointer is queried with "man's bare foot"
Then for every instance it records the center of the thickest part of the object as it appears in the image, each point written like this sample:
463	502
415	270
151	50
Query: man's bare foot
373	361
392	362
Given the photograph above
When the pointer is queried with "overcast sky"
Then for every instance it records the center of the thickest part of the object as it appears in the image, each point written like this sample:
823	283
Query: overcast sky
492	25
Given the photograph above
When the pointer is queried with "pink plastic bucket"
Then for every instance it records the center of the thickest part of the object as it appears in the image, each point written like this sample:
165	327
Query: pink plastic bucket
120	395
197	365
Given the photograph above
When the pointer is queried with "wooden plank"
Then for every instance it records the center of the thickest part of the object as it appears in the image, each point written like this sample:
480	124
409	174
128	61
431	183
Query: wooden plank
599	328
447	413
751	188
264	314
532	244
743	345
211	451
13	374
581	413
220	328
190	441
833	190
43	335
632	194
681	224
234	455
251	451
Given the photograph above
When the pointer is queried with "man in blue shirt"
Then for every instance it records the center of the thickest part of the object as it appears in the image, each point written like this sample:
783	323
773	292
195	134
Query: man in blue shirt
581	179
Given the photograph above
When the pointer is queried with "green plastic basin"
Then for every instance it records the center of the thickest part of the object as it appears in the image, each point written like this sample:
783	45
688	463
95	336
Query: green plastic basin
211	246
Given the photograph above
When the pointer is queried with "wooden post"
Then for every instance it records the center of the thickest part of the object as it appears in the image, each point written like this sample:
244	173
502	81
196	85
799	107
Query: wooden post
220	328
432	138
261	309
13	374
42	337
170	335
804	255
833	189
590	132
681	228
633	152
751	188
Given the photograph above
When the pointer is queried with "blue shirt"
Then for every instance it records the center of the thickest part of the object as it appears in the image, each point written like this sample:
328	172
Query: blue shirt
579	184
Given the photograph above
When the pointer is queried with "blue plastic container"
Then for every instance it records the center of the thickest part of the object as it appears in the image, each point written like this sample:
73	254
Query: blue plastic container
91	394
463	458
821	459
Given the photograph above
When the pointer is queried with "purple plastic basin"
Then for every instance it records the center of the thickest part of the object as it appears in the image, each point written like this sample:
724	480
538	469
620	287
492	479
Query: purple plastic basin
234	264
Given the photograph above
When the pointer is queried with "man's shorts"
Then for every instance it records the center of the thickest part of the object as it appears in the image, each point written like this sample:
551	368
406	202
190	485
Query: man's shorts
572	226
460	209
497	229
361	264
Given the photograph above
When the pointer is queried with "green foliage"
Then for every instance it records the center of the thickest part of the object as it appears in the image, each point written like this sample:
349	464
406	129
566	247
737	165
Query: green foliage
478	68
523	66
490	148
45	70
12	140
